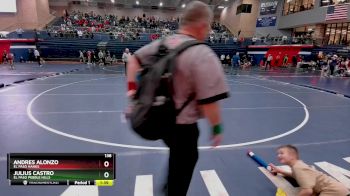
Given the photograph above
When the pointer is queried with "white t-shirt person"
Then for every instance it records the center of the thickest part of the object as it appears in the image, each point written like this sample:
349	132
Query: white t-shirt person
37	56
269	58
126	55
36	53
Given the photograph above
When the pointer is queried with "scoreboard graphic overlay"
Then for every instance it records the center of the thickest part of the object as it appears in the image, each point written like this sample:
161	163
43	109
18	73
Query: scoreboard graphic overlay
61	169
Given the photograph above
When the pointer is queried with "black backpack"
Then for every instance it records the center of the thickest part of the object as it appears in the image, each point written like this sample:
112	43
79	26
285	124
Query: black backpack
154	113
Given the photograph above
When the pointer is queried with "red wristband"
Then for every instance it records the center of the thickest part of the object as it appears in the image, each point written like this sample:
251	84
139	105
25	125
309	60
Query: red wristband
132	86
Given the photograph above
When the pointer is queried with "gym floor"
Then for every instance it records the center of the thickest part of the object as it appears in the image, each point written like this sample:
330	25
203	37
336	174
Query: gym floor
81	111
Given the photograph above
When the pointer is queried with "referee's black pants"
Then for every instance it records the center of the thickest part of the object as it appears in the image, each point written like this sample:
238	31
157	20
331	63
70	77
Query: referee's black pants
38	60
183	144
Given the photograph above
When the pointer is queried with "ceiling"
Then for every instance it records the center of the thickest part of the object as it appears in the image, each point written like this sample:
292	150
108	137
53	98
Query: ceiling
174	4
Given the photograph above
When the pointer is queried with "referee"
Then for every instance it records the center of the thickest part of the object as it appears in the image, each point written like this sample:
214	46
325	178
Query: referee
198	71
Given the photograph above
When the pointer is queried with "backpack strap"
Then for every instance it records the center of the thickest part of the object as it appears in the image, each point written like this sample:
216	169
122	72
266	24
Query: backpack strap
181	48
189	99
187	44
178	50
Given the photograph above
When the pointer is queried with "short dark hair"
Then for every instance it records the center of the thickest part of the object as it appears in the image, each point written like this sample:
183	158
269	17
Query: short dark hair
291	148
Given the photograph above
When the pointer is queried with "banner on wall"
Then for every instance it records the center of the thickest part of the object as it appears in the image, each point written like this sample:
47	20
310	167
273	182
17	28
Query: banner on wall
268	7
266	21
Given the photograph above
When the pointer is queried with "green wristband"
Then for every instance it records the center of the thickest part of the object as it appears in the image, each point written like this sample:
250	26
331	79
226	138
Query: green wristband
217	129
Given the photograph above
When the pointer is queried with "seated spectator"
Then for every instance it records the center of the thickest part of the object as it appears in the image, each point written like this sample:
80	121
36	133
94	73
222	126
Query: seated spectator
80	34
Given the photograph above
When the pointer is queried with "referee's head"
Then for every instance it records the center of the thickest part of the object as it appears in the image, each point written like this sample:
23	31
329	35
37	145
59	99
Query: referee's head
196	19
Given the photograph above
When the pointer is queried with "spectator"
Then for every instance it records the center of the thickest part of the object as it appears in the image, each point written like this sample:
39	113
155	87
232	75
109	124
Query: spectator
81	56
235	61
264	61
10	57
19	32
88	53
31	57
294	60
332	64
4	57
222	58
228	59
254	39
277	60
268	62
80	34
347	66
285	60
125	57
284	39
37	57
101	58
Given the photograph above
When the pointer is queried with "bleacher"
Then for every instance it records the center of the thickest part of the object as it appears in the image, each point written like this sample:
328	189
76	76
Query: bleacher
330	49
69	47
65	48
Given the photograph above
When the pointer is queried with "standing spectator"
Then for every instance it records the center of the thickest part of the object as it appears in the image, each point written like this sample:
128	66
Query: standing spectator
19	32
226	40
236	60
101	58
222	59
277	60
36	35
268	62
294	61
4	57
264	61
235	40
332	64
31	57
93	57
228	59
88	53
284	39
254	39
10	58
285	60
203	77
347	66
81	56
37	57
125	57
341	67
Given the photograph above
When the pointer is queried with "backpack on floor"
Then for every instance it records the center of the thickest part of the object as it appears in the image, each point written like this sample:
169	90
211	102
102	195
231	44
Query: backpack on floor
154	113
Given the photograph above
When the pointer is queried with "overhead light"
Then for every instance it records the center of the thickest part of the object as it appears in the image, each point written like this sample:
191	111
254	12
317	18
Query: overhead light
113	1
221	7
226	0
183	5
161	4
137	2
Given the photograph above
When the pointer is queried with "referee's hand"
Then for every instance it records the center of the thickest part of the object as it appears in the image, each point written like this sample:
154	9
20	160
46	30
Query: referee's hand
216	140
